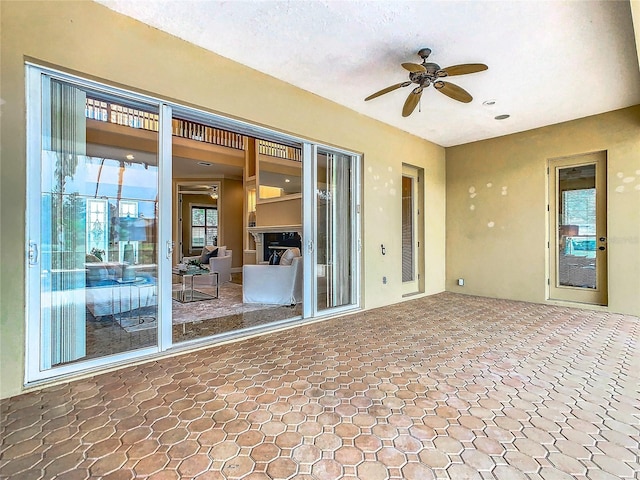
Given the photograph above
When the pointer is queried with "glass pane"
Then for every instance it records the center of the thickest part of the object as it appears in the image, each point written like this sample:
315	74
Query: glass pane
212	236
334	231
408	273
98	230
197	217
197	237
577	227
280	170
212	217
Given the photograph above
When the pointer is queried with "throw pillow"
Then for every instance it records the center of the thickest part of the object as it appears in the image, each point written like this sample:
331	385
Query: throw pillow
274	259
289	255
222	251
207	254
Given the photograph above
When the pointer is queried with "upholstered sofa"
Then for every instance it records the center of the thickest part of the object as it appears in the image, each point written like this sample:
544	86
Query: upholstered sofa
273	284
220	263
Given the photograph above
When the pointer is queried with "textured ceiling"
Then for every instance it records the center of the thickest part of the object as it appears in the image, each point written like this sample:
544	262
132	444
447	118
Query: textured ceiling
549	61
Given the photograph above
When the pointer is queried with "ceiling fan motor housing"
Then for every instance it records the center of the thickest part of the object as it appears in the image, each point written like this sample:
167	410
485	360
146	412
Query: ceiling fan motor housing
430	75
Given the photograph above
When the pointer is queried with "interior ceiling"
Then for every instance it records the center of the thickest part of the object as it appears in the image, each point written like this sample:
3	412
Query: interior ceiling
549	61
183	168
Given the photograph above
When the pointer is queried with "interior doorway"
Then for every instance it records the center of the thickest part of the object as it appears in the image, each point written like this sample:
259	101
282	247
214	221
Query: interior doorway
578	229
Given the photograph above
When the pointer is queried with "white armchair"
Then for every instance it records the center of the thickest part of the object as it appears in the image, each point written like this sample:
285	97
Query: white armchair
273	284
220	264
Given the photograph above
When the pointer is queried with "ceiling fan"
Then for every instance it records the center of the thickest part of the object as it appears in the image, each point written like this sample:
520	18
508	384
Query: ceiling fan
428	73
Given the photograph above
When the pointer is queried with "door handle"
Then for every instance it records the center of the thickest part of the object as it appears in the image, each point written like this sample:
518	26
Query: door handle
33	253
169	248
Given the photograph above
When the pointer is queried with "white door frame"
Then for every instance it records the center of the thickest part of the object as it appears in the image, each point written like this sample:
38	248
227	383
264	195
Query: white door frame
310	231
37	101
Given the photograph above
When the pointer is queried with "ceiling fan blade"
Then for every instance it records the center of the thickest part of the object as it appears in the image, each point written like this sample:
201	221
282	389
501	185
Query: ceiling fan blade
411	102
464	69
414	67
387	90
453	91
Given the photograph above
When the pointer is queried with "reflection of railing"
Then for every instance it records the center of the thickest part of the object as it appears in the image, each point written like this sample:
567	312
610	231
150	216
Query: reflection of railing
131	117
120	115
281	151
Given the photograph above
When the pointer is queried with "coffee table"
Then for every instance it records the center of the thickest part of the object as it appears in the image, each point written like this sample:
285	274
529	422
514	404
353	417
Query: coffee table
187	291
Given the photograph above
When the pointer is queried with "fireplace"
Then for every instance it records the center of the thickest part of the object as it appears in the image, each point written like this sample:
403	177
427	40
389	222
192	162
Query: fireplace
277	237
279	241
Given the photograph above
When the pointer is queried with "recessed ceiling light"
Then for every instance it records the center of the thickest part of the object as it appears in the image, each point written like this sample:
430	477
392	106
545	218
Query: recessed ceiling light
488	103
205	164
286	180
502	117
130	157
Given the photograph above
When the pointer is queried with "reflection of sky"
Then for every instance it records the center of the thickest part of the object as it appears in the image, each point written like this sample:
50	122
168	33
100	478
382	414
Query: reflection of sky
138	182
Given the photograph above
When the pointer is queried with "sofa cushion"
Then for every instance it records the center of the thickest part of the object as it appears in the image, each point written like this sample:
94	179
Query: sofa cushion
289	255
207	253
274	259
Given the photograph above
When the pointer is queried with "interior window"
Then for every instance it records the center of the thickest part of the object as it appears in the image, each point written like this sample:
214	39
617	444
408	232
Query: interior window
204	226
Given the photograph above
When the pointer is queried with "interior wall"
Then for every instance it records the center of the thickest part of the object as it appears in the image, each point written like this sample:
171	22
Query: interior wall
120	51
497	208
283	212
231	198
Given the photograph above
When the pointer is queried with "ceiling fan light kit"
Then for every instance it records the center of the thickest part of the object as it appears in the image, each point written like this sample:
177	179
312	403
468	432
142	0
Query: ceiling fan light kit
428	73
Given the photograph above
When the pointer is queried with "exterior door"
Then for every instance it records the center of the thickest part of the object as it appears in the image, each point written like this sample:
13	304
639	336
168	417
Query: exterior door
92	210
578	229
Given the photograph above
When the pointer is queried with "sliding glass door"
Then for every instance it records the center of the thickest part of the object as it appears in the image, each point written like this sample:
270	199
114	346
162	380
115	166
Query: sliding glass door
92	210
99	222
334	234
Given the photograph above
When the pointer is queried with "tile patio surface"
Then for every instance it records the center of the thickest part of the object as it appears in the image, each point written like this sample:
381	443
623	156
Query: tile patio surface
447	386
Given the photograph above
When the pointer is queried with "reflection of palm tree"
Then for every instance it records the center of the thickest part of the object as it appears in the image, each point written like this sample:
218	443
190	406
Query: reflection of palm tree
98	179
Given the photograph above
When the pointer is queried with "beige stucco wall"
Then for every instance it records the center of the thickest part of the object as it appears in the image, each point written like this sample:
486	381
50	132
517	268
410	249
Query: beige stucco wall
93	41
508	260
635	15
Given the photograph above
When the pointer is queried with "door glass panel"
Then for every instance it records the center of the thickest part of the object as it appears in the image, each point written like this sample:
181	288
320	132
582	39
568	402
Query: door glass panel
334	237
577	226
408	273
98	231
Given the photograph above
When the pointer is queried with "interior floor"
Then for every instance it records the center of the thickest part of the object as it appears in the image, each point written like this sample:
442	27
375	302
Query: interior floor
106	336
446	386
